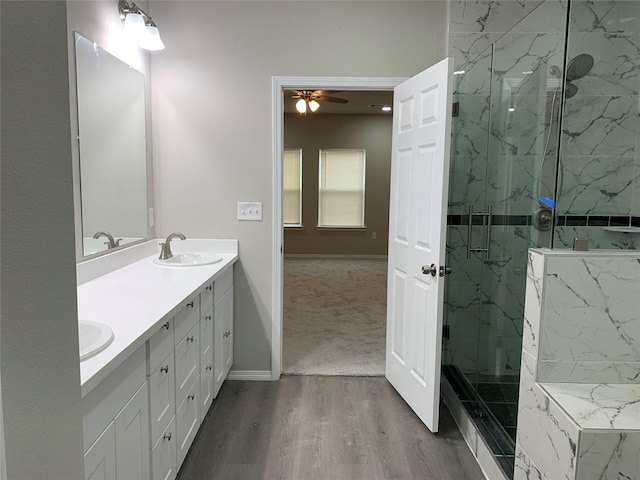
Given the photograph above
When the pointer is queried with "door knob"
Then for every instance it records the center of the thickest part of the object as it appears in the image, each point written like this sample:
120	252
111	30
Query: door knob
431	270
444	270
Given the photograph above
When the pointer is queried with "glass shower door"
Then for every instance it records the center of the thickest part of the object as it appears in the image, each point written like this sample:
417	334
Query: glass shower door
503	179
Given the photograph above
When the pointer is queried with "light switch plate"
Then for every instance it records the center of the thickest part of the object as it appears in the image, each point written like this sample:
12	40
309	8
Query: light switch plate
251	211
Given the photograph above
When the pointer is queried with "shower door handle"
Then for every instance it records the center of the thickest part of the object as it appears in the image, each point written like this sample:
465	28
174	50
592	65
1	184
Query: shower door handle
486	223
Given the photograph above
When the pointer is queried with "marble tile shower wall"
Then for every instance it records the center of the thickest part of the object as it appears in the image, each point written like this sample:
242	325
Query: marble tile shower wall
600	142
495	158
581	337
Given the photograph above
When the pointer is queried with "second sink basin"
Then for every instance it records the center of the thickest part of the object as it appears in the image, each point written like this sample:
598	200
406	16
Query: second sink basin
94	337
189	259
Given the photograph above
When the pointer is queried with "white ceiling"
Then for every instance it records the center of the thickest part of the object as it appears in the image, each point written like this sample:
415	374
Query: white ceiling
358	103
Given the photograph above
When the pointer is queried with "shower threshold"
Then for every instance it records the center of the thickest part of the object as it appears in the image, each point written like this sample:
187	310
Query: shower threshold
498	437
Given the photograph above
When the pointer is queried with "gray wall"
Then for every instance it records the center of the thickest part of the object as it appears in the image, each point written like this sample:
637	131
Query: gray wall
212	114
315	132
39	345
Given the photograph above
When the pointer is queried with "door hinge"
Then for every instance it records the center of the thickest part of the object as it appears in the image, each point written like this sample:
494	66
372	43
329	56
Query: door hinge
445	332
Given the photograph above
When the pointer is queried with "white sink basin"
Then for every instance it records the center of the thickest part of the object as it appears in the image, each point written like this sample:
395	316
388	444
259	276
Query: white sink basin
189	259
94	337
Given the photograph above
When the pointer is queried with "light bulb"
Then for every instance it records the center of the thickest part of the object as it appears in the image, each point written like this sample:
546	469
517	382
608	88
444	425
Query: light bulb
151	40
386	108
313	105
301	106
134	25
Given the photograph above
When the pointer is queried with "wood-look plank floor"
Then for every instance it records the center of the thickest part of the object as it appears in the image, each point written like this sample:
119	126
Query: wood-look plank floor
329	428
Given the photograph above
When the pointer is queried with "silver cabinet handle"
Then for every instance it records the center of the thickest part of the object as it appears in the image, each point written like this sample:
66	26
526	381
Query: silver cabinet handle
167	437
190	338
208	367
208	317
192	396
190	304
226	334
167	325
164	369
209	288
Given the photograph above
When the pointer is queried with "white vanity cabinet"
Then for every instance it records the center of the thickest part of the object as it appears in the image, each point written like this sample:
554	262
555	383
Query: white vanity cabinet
223	328
115	423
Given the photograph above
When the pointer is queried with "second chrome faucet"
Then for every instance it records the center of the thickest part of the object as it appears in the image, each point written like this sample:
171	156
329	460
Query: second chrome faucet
165	251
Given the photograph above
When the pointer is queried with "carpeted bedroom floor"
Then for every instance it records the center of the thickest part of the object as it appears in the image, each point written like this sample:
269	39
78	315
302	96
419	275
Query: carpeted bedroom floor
334	316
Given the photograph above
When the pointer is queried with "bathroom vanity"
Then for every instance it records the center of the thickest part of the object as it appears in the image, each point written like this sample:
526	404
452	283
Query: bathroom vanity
146	393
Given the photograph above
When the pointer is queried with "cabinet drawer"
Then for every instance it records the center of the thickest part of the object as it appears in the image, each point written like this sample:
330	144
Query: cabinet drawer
186	318
100	458
188	420
162	397
160	345
222	284
187	362
206	298
163	455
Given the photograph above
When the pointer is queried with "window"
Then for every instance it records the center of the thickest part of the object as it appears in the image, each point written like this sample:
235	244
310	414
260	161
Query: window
292	185
341	188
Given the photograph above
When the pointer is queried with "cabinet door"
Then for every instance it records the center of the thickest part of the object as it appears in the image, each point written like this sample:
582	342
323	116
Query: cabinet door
163	456
132	438
218	340
227	345
207	386
188	420
100	458
162	397
206	337
187	362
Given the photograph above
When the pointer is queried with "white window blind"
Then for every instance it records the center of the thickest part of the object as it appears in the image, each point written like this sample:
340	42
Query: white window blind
341	188
292	186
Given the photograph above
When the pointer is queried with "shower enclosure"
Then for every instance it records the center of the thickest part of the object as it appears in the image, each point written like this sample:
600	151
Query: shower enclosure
544	150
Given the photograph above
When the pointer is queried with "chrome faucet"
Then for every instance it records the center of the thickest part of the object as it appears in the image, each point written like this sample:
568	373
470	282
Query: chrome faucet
165	252
111	242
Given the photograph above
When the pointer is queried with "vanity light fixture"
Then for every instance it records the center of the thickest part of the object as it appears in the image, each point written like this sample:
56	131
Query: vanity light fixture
140	26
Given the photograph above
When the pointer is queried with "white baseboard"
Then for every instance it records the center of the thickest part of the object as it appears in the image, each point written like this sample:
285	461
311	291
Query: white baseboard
249	375
331	255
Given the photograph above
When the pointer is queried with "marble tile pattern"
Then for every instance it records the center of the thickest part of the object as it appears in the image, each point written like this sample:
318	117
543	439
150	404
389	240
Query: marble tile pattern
601	124
574	430
599	405
590	314
546	434
609	455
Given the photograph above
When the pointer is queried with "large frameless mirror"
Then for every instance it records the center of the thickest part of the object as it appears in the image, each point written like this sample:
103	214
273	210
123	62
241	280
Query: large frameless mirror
112	146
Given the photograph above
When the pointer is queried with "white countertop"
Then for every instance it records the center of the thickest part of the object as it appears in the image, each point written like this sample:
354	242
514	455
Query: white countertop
599	406
135	301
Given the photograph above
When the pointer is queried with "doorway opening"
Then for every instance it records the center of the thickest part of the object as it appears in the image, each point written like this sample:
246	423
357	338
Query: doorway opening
281	87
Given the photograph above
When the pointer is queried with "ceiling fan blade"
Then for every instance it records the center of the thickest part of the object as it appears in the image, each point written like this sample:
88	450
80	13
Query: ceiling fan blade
325	92
325	98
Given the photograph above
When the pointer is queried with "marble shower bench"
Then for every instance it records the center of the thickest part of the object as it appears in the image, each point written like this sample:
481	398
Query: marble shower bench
579	406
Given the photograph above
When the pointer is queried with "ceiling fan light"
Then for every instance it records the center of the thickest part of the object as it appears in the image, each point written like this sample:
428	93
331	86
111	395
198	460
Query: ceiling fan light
301	106
313	105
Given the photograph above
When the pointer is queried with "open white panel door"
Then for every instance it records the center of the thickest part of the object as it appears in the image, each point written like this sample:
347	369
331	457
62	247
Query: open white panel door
417	235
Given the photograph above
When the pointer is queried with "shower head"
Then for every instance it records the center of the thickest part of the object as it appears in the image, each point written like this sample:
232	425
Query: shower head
570	91
579	66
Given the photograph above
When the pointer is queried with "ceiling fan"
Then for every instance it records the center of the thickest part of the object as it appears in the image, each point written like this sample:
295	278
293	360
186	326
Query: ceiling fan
310	98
